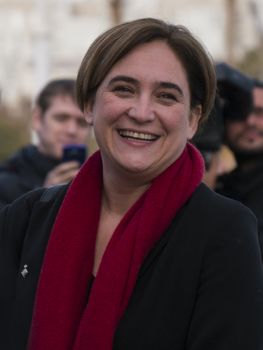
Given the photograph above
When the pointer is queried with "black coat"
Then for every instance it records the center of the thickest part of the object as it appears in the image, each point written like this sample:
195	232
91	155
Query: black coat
200	288
246	187
23	172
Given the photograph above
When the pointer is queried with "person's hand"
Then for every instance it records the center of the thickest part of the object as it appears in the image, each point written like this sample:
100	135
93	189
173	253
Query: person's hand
62	173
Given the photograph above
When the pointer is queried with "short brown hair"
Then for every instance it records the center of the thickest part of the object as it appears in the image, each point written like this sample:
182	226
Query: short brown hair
56	87
118	41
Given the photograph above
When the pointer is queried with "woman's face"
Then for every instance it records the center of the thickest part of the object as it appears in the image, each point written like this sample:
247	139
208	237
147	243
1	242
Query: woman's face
141	113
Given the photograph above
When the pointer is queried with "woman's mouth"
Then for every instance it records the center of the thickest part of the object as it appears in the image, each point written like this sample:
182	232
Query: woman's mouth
137	135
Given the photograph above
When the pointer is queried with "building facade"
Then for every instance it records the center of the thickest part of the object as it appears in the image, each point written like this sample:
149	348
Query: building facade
43	39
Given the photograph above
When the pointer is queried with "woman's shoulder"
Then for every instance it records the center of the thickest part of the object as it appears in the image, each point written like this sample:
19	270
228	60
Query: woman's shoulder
218	228
38	206
29	199
210	202
217	215
19	212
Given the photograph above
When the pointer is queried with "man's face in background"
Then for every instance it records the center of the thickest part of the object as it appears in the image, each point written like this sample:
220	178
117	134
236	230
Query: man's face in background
61	124
246	136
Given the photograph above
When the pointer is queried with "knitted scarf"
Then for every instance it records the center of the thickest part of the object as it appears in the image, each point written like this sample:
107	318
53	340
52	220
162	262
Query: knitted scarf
62	318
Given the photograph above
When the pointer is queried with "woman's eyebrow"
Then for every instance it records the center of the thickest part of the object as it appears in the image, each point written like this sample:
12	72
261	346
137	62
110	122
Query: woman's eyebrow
169	85
124	78
163	84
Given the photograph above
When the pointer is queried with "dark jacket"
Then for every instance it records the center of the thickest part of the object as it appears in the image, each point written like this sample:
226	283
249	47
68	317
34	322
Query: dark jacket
200	288
23	172
246	187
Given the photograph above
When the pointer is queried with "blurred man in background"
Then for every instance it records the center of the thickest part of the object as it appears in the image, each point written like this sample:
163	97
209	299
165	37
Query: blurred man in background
244	135
209	140
57	121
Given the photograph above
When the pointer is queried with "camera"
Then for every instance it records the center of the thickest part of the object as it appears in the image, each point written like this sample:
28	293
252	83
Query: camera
74	152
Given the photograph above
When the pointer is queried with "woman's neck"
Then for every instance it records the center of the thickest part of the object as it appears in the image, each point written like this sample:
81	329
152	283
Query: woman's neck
119	195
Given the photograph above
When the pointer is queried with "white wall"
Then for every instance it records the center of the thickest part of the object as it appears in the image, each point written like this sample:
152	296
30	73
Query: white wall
42	39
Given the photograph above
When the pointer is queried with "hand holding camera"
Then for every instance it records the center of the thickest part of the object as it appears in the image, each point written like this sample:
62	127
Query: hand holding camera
73	157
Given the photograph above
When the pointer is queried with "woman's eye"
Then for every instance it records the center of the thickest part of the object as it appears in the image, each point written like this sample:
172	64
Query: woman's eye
122	89
166	96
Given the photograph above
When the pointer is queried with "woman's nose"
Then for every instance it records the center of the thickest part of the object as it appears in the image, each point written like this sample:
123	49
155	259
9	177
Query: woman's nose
142	111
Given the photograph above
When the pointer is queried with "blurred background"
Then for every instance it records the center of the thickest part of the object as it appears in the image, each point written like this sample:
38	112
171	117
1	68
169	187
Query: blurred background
44	39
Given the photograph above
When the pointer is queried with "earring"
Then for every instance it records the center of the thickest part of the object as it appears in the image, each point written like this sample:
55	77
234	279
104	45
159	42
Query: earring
88	117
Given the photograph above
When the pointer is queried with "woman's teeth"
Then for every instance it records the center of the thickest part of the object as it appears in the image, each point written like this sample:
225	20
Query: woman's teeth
137	135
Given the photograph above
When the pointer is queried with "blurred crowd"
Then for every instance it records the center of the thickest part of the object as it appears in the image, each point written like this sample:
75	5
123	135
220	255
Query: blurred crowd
231	141
57	122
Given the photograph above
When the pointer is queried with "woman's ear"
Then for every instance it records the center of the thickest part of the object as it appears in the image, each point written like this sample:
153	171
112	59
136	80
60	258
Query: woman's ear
88	115
194	119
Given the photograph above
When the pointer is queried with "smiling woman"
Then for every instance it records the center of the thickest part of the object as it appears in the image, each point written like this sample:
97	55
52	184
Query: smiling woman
141	114
140	255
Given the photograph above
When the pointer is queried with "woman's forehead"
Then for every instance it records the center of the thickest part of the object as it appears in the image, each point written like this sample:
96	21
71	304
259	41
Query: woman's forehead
155	61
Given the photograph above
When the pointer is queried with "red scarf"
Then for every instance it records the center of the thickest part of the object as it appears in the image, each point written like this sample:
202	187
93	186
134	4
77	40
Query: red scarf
62	319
